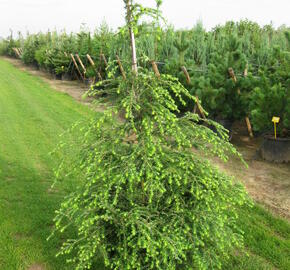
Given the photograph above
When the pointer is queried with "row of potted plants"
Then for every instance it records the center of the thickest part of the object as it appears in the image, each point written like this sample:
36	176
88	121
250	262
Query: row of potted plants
237	70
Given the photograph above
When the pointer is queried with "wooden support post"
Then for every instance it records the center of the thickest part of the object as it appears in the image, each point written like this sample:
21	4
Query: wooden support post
155	69
234	78
246	71
183	68
103	57
19	52
91	61
82	65
16	52
197	104
76	65
200	108
121	67
94	66
249	126
232	74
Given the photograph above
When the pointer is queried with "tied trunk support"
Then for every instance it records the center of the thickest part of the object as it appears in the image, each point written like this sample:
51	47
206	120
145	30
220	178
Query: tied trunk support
103	58
121	67
155	69
197	104
95	68
82	65
76	66
234	78
17	52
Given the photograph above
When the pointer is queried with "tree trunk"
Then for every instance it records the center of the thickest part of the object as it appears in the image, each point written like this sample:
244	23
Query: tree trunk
132	36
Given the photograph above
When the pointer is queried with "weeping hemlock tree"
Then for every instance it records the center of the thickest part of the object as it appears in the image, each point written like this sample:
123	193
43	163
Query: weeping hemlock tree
150	198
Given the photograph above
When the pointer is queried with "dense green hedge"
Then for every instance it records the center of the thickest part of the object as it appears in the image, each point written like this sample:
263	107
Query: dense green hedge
207	55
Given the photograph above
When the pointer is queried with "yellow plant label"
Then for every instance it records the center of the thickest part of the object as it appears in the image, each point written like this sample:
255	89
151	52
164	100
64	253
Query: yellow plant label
275	119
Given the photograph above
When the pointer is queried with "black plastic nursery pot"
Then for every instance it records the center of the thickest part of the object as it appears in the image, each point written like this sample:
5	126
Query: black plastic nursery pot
56	76
66	77
276	150
34	66
89	81
42	69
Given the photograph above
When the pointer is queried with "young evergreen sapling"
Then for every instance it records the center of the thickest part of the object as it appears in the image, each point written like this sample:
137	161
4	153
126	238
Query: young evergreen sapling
149	197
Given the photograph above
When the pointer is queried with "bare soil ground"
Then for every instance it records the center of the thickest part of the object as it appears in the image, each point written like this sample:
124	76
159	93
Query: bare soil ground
36	267
268	183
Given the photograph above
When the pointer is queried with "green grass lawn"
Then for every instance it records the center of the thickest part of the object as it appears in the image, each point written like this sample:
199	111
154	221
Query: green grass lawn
32	115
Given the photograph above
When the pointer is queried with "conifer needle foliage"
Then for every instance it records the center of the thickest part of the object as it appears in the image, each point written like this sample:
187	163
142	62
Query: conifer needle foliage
150	198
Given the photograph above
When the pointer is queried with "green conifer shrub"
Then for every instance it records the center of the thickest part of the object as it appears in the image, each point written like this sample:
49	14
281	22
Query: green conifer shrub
221	96
149	197
271	97
30	46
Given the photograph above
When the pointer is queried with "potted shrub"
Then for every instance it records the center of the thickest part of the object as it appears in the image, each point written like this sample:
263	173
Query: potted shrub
90	75
272	98
58	64
223	94
40	57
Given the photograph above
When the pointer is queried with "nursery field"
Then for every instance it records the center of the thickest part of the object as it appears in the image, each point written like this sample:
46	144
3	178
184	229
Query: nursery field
145	147
33	115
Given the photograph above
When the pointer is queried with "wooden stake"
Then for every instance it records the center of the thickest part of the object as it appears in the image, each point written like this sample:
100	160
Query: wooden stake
82	65
200	108
246	71
76	65
197	104
234	78
186	74
232	74
19	52
91	60
249	126
16	52
94	66
121	67
155	69
103	57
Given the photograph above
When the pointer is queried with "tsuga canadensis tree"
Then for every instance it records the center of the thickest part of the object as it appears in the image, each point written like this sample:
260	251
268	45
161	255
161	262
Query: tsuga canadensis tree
149	197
